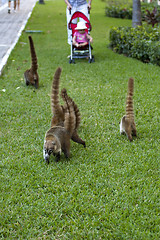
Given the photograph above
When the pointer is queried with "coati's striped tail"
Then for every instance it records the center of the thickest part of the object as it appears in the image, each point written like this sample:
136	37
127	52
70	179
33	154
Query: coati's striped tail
34	64
70	119
76	109
129	101
55	105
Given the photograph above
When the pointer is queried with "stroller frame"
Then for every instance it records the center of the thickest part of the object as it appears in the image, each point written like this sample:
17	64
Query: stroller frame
83	52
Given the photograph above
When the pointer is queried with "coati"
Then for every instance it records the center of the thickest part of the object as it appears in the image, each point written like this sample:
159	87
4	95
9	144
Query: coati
59	110
57	138
127	124
31	75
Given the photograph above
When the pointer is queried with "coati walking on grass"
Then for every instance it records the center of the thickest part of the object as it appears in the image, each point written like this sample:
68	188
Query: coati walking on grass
127	124
59	110
31	75
57	138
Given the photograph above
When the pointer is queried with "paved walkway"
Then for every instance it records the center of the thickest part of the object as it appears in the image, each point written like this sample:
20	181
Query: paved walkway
11	26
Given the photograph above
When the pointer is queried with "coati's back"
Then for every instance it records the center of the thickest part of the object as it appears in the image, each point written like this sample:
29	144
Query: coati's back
57	109
127	124
31	75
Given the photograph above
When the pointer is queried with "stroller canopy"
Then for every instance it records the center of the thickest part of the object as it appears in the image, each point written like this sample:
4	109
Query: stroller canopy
72	25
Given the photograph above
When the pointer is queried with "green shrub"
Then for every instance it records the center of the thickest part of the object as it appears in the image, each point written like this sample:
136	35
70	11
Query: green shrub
125	10
141	43
119	12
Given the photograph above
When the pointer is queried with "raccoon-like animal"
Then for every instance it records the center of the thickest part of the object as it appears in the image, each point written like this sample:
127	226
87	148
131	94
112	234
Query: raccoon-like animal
59	110
127	124
31	75
57	138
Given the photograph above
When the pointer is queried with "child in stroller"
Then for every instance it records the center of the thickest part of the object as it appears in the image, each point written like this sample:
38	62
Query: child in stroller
80	48
81	37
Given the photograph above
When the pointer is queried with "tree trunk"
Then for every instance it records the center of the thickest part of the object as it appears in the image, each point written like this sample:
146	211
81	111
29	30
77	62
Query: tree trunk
41	1
136	15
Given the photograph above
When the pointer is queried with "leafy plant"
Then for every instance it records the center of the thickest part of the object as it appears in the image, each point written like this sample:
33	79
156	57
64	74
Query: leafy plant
118	9
140	42
153	17
119	12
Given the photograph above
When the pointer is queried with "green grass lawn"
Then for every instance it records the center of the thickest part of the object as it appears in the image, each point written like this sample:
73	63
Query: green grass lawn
110	190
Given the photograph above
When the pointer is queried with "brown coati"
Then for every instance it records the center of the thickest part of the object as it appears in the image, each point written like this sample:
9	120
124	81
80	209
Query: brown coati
31	75
127	124
59	110
57	138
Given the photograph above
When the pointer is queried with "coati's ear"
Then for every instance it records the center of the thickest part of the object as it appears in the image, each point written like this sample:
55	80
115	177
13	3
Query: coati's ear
54	143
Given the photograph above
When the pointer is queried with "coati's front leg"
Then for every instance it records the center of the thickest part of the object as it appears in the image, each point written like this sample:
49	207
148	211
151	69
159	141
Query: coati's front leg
58	155
26	78
66	149
36	84
66	154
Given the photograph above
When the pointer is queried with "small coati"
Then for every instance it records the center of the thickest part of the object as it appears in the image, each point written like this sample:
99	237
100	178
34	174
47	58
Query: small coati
57	138
127	124
31	75
59	110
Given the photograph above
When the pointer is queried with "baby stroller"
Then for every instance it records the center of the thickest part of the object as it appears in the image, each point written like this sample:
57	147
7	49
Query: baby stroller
82	52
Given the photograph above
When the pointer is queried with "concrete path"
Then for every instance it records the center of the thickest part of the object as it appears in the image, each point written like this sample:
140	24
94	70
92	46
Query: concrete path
11	26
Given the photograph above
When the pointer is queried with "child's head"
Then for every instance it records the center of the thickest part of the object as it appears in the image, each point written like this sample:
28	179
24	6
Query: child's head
81	26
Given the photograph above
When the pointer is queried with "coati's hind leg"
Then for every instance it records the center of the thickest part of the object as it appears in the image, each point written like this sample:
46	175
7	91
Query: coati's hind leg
129	133
77	139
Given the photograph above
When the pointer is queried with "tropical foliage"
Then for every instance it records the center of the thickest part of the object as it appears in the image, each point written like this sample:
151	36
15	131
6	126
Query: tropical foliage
142	43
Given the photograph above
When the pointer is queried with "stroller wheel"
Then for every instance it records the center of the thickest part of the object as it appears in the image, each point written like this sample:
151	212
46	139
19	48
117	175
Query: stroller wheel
91	59
71	61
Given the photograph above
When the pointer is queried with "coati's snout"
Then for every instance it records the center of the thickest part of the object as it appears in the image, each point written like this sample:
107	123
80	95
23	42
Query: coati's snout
50	147
46	158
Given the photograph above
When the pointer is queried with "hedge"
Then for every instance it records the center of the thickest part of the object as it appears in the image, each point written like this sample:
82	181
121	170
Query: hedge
141	43
124	11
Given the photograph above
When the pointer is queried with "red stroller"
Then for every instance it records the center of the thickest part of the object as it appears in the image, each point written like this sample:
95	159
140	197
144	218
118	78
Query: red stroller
83	52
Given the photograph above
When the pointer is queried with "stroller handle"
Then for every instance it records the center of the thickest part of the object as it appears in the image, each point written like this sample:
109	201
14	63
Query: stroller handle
71	9
88	10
